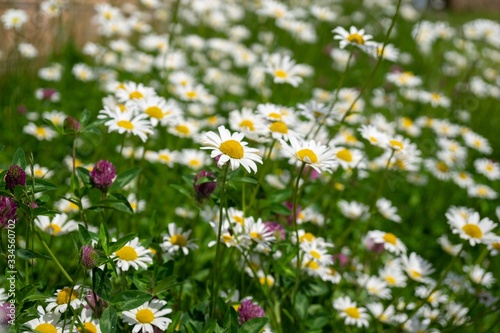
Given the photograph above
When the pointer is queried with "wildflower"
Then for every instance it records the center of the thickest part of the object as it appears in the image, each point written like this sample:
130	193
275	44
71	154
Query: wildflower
83	72
204	190
258	233
352	314
177	240
127	122
132	255
375	286
15	176
40	132
352	37
248	122
488	168
71	124
387	210
318	156
481	191
57	226
27	50
89	257
48	94
14	18
471	228
94	303
353	210
390	241
228	147
448	247
416	267
64	297
102	175
89	324
137	205
46	322
249	310
480	276
148	317
283	69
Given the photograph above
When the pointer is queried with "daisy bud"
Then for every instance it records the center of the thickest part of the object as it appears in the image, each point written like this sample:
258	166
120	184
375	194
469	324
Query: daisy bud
249	310
89	257
204	190
15	176
102	175
71	124
8	208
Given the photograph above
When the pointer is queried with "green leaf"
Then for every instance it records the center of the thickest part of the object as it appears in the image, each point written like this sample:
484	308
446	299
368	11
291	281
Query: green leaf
115	246
103	238
41	185
125	178
119	205
253	325
28	255
165	284
84	174
84	235
245	180
95	196
84	117
109	320
2	147
182	190
130	299
19	158
53	126
230	322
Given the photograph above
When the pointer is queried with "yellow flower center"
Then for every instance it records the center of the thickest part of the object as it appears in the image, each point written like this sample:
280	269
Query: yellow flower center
63	297
145	316
489	167
345	155
126	124
239	219
89	328
280	73
227	238
352	312
154	112
46	328
39	173
135	95
415	274
164	157
307	237
441	166
391	280
312	265
496	246
178	240
122	107
390	238
266	280
275	115
182	129
41	131
232	148
191	94
52	229
256	235
279	127
356	38
307	155
315	254
472	230
127	253
248	124
396	144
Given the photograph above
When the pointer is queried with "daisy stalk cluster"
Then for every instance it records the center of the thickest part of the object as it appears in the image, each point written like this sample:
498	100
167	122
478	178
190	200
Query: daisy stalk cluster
252	166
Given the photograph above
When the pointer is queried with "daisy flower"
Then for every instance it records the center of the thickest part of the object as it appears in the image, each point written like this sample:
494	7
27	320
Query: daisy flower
258	232
375	286
348	158
488	168
283	69
387	210
40	132
416	267
447	247
353	210
352	37
248	122
14	18
158	109
477	142
133	91
478	275
193	158
374	135
146	316
481	191
393	275
40	171
389	240
127	122
132	255
471	228
184	128
228	147
177	240
383	315
137	205
163	156
404	79
352	314
57	226
46	322
64	297
90	325
318	156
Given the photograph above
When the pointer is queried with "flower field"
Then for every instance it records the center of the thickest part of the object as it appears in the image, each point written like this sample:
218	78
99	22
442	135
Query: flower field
250	166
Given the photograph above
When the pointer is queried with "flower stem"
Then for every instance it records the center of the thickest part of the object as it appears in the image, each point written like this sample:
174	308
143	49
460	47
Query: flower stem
213	284
51	254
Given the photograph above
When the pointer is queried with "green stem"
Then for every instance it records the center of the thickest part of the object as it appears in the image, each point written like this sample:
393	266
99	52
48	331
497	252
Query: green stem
51	254
213	284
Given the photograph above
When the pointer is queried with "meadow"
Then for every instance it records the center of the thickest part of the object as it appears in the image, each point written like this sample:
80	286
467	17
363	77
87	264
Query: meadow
250	166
